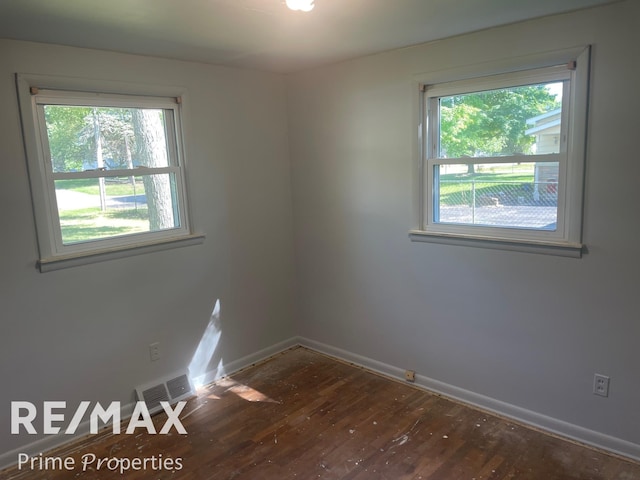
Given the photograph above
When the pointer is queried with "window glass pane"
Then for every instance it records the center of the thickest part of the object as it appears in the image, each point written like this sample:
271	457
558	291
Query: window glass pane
99	208
510	121
89	138
520	195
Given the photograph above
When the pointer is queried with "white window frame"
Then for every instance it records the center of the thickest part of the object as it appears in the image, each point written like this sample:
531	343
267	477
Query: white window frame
34	92
570	67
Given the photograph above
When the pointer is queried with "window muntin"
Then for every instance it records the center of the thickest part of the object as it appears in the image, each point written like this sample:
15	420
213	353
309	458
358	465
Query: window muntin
111	170
496	156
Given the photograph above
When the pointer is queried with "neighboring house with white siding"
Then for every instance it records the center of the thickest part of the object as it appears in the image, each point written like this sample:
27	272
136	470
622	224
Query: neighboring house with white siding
546	128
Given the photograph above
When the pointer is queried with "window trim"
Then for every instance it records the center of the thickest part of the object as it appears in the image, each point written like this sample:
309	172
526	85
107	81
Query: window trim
36	90
568	240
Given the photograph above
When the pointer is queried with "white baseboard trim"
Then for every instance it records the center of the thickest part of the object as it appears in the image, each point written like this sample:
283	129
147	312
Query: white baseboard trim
52	442
552	425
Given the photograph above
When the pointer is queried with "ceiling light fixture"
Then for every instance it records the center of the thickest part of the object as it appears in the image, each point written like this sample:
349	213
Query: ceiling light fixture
302	5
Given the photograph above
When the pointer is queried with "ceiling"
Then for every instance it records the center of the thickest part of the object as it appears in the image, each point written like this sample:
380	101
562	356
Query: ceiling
261	34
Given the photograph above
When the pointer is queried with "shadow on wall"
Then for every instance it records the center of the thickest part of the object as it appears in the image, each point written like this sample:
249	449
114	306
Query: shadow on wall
206	364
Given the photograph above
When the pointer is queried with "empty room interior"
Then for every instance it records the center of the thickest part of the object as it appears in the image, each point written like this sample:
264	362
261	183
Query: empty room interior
368	239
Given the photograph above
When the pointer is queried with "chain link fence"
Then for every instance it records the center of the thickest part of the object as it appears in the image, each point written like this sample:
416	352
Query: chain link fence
499	203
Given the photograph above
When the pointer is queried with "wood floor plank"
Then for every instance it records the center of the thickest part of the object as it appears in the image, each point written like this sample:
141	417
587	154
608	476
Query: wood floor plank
303	415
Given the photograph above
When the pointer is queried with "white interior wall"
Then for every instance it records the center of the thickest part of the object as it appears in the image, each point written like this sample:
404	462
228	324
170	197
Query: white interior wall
525	329
83	333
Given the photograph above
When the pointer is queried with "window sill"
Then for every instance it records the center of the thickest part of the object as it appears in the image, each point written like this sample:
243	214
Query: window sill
573	250
85	258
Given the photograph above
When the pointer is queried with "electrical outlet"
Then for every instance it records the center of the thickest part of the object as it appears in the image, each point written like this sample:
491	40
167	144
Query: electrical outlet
601	385
154	351
410	376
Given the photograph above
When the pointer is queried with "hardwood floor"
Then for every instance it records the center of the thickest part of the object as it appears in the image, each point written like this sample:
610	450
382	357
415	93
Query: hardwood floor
302	415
